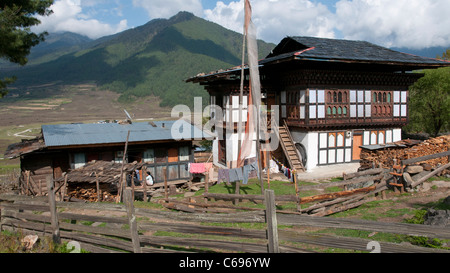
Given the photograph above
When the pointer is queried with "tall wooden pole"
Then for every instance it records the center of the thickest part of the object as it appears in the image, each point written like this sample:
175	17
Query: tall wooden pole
120	189
241	97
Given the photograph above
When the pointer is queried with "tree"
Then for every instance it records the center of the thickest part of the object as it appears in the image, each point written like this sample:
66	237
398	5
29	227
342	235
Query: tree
445	55
430	102
16	38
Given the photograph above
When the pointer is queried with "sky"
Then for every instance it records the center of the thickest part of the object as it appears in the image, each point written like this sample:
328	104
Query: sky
414	24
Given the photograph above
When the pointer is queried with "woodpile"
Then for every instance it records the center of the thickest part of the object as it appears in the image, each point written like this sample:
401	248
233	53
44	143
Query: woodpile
103	171
403	150
90	195
82	182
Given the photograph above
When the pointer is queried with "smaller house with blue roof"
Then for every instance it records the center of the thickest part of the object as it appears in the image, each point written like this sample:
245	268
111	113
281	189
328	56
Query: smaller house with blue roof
159	145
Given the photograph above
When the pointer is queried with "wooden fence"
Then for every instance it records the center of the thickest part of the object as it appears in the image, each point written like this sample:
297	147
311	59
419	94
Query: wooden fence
112	228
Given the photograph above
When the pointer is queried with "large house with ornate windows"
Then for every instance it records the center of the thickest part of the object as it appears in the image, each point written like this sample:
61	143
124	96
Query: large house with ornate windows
334	96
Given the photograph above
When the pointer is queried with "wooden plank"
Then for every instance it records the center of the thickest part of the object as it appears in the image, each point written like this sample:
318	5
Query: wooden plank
363	173
98	240
425	158
291	198
204	230
357	244
117	232
344	207
329	196
396	228
433	173
165	241
343	183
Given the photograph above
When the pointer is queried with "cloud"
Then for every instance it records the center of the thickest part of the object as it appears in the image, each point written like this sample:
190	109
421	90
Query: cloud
168	8
275	20
400	23
68	16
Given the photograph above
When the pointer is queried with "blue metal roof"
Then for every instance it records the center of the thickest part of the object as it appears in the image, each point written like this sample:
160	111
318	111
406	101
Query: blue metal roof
108	133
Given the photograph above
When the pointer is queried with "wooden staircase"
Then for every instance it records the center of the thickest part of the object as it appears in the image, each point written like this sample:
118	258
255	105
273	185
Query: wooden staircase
289	148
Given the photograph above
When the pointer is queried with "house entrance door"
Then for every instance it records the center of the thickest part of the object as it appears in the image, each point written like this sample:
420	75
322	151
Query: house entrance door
357	142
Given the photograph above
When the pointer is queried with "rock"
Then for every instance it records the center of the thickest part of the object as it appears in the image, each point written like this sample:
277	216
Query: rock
427	167
29	241
414	169
408	179
437	218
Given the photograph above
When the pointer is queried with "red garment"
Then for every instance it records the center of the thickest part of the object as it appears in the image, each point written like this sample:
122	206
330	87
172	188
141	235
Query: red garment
197	168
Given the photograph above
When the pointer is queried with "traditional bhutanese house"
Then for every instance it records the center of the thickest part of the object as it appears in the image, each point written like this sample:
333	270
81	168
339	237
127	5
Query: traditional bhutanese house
333	96
61	148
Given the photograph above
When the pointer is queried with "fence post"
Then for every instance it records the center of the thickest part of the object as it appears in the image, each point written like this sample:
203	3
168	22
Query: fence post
271	220
128	200
53	212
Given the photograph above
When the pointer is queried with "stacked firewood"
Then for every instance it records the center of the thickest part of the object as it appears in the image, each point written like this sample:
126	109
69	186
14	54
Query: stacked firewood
90	195
385	157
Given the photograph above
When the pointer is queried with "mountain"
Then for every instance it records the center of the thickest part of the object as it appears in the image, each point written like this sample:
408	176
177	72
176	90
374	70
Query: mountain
153	59
430	52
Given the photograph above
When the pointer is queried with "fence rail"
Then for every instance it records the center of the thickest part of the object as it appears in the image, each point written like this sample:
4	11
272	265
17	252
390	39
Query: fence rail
111	231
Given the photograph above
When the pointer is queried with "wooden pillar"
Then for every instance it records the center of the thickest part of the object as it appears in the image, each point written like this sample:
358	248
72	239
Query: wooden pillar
166	193
132	221
64	189
144	181
272	223
237	189
54	215
98	187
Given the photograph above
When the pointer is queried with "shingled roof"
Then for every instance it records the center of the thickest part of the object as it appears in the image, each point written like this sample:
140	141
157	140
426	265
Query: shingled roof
336	50
311	49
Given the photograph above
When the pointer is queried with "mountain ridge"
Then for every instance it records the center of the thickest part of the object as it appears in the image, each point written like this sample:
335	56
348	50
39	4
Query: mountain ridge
152	59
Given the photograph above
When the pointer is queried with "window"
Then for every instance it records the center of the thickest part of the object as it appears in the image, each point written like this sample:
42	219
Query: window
317	104
79	160
340	139
149	156
184	153
331	140
400	104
